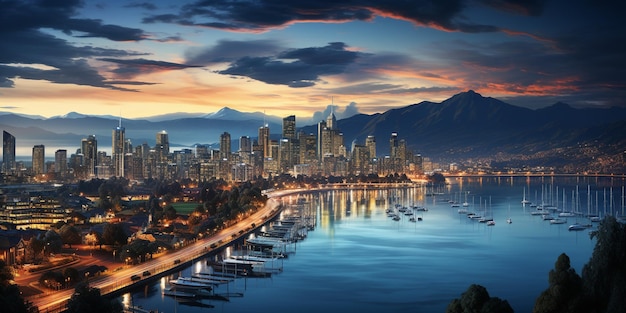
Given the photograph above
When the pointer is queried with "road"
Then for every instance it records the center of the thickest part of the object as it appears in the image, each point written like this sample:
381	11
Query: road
118	278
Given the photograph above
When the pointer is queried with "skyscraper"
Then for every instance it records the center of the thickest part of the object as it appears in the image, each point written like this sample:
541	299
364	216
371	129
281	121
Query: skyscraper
264	140
225	148
117	150
289	127
89	149
330	138
370	144
8	153
245	144
162	146
60	161
39	159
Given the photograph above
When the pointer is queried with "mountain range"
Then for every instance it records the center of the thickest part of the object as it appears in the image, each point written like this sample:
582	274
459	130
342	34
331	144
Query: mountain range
467	125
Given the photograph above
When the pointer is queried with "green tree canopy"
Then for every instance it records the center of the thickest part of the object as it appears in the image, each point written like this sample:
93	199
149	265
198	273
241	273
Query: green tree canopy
114	234
10	297
86	299
604	276
476	299
564	291
70	235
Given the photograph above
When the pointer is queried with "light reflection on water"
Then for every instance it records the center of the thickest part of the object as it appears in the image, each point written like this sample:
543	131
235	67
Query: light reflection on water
359	260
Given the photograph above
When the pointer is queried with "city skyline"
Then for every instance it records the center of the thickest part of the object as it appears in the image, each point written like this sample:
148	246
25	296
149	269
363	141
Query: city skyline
141	59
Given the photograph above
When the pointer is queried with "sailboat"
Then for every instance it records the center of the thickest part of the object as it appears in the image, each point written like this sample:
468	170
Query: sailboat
508	219
466	204
524	200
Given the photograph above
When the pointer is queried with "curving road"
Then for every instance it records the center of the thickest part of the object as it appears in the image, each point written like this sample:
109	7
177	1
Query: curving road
117	279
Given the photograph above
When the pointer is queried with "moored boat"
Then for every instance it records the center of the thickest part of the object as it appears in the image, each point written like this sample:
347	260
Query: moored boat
189	284
576	227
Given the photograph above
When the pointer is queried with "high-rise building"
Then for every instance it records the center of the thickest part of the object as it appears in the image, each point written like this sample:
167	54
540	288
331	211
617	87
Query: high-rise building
321	127
117	150
89	149
370	144
393	145
308	148
39	159
60	161
289	127
8	153
245	144
264	140
225	148
330	138
331	121
162	146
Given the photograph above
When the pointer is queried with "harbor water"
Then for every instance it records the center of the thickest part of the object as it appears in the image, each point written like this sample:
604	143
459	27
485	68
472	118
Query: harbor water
358	259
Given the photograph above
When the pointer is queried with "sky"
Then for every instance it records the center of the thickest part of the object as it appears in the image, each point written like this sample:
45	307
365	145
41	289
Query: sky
146	58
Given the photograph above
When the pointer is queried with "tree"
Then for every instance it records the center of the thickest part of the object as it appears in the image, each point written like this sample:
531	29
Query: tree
10	297
114	234
70	235
604	276
564	291
476	299
34	248
86	299
169	212
52	241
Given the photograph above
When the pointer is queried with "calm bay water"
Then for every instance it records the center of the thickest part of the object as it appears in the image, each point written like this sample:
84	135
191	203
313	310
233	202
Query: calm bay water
359	260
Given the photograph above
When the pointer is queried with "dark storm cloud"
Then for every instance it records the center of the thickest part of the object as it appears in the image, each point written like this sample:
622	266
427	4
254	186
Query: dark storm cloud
375	88
295	68
63	63
568	67
40	56
526	7
261	15
230	50
132	67
17	15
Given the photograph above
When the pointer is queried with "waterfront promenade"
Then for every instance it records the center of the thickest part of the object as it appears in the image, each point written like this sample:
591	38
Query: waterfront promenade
118	277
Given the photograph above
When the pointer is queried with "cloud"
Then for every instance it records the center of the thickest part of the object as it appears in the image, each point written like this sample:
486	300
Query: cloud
295	68
19	15
133	67
524	7
231	50
142	5
340	113
62	63
263	15
36	55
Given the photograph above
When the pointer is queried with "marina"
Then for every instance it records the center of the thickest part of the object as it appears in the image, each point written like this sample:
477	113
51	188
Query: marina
355	246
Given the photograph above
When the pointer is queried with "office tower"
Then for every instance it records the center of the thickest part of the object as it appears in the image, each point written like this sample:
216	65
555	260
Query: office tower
330	138
117	150
370	144
8	153
331	121
162	146
308	148
39	159
264	140
89	149
245	144
225	146
321	126
60	162
289	127
393	145
360	159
